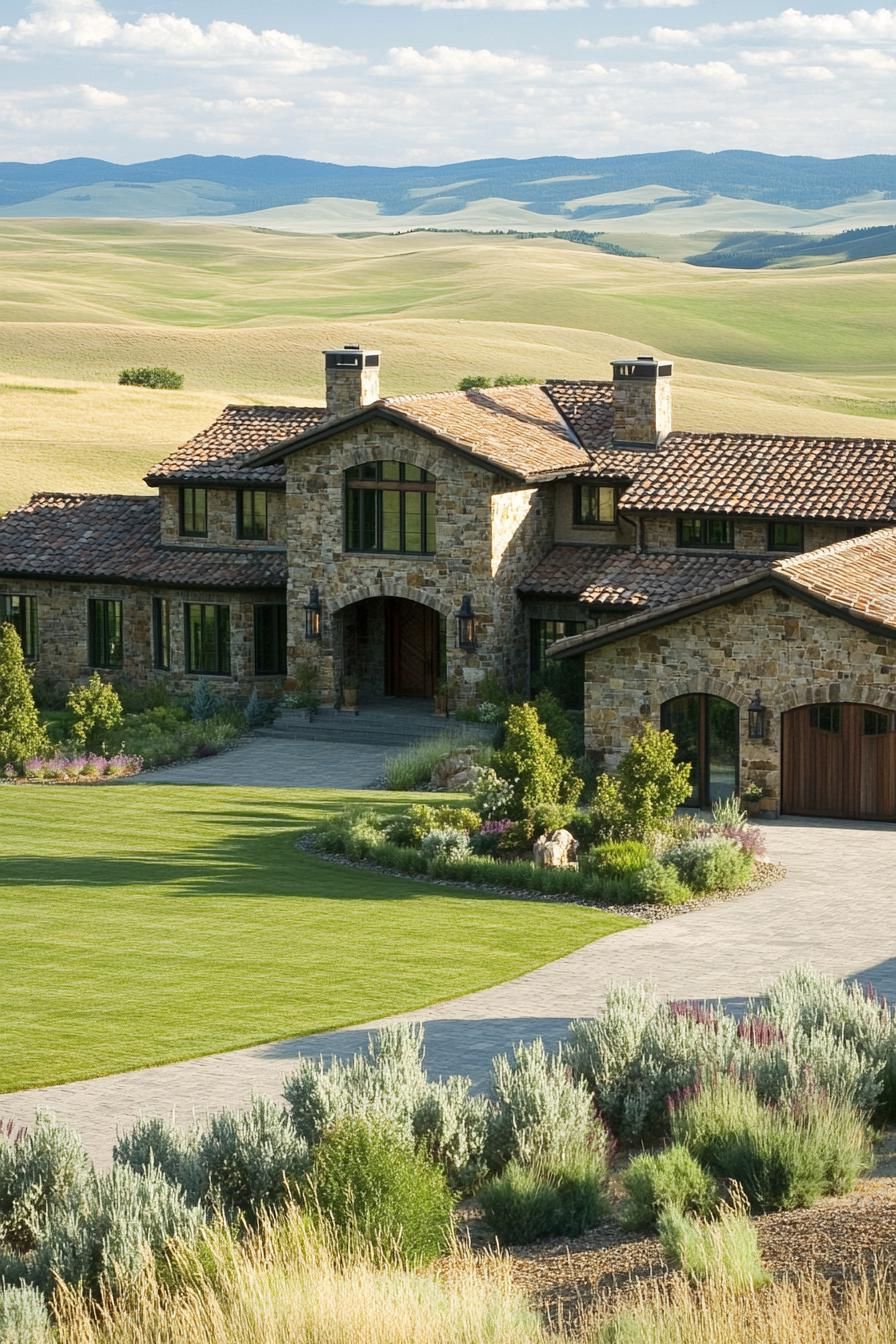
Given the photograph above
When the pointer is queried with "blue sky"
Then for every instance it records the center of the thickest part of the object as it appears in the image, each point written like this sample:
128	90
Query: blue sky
433	81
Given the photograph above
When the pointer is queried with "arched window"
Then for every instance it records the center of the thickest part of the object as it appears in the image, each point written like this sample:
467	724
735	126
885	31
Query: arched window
390	506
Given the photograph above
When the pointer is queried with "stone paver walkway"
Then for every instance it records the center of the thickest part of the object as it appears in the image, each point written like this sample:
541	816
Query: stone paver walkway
264	762
835	909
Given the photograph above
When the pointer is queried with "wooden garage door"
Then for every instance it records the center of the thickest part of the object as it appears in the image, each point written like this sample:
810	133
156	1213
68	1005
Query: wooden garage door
839	761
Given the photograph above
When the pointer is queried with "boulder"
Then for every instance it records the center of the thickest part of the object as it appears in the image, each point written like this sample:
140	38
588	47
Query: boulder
560	849
454	772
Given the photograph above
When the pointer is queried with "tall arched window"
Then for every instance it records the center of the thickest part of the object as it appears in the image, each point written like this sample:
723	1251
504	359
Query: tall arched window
390	506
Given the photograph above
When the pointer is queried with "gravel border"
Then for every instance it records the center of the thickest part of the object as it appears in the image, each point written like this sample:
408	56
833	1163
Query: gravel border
764	875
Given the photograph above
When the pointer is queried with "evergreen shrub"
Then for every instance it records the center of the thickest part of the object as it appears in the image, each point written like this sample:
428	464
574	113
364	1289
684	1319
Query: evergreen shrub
550	1197
22	735
154	377
671	1179
96	711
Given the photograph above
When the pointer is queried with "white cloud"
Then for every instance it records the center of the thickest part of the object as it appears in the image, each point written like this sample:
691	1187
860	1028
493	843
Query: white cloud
650	4
460	63
819	74
94	97
713	72
673	37
532	6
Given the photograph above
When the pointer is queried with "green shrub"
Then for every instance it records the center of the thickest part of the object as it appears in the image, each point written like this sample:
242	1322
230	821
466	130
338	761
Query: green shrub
250	1160
725	1252
607	820
655	884
421	818
783	1157
446	844
541	1111
648	786
40	1169
551	1197
619	858
155	377
204	704
23	1317
21	733
156	1144
96	711
710	863
472	382
545	788
377	1192
257	712
558	723
492	795
672	1179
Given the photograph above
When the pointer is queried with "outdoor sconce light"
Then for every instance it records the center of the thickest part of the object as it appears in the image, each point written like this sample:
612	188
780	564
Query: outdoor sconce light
756	717
313	614
645	707
466	624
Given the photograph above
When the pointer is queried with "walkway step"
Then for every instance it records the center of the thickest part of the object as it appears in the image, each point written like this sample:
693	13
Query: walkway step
376	728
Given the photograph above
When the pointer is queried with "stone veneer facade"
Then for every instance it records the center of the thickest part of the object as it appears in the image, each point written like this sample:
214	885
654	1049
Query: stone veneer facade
660	532
489	534
221	507
772	642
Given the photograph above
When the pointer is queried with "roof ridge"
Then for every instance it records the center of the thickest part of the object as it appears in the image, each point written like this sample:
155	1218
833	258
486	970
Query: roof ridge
772	435
88	494
788	562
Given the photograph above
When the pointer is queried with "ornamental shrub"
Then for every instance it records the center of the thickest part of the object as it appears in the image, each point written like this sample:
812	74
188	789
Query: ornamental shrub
445	845
24	1318
540	1109
545	787
473	382
492	795
22	734
257	712
204	704
377	1193
724	1252
557	722
551	1197
710	863
672	1179
619	858
250	1160
155	377
96	711
40	1169
156	1144
655	884
652	782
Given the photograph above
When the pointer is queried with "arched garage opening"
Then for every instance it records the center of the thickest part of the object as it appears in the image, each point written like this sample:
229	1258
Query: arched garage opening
707	731
839	760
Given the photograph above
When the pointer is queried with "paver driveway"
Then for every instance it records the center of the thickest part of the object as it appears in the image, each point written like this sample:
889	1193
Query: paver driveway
836	909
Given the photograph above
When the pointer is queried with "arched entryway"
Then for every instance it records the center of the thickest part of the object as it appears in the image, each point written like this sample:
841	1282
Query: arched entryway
392	646
707	731
839	760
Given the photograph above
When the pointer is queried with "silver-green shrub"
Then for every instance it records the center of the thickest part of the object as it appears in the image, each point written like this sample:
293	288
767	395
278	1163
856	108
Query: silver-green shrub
446	843
250	1160
40	1169
157	1143
710	863
23	1317
540	1109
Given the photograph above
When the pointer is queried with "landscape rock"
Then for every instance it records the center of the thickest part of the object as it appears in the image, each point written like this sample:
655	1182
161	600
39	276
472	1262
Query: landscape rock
454	772
560	849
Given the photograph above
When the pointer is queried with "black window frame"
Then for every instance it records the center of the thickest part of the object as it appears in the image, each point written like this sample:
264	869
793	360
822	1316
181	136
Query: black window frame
189	496
105	633
161	634
826	718
703	523
539	642
20	611
364	524
592	518
877	722
217	614
269	628
257	527
796	547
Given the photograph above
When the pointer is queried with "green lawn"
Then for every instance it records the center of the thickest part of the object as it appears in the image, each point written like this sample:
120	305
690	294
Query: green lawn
150	923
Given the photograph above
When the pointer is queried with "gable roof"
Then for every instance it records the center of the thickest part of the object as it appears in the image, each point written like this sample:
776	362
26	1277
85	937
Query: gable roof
587	407
768	475
116	538
853	579
606	577
222	453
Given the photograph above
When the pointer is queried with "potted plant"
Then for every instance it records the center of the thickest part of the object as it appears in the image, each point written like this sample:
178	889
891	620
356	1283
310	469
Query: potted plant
440	699
751	797
350	693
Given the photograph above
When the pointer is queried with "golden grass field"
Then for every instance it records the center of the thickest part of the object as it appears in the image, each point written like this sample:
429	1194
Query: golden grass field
244	314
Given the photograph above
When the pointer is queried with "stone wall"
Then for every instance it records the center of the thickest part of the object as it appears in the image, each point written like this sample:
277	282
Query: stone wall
565	530
642	410
483	547
770	642
222	506
62	633
750	535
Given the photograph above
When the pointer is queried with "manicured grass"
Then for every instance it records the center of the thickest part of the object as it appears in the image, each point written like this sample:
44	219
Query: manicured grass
151	923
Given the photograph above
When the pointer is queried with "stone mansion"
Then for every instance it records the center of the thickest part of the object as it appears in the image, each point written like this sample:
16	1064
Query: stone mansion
739	589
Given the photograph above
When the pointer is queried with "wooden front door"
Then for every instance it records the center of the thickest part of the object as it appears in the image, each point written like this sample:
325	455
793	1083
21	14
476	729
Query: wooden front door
412	648
839	761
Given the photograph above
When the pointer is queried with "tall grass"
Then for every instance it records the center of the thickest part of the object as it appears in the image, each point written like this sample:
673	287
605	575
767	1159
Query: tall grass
724	1251
413	765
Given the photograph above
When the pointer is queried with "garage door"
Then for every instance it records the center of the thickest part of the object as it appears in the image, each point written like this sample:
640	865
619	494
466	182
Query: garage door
839	761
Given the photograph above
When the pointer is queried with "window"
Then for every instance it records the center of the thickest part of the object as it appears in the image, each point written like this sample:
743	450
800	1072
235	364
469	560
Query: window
826	718
207	638
390	506
21	613
545	633
270	640
876	722
252	515
161	634
594	504
706	530
193	512
785	536
104	642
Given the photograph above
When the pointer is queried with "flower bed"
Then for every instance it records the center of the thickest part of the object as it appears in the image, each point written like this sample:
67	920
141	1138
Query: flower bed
62	769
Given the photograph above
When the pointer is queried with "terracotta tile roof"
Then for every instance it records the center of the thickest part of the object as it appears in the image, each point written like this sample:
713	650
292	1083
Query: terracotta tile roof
858	575
117	538
518	429
220	452
774	476
615	577
587	407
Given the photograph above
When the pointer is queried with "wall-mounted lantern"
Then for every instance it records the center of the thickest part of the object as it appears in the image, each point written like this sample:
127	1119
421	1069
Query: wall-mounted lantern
757	716
466	624
313	611
645	706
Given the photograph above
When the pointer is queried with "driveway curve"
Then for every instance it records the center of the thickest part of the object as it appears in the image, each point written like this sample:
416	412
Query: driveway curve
834	909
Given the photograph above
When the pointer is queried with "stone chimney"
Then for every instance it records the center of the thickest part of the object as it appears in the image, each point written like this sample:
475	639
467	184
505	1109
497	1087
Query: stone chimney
353	379
642	402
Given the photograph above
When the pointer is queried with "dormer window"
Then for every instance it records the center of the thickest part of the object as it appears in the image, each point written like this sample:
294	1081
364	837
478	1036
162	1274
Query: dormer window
785	537
390	506
594	505
707	532
193	512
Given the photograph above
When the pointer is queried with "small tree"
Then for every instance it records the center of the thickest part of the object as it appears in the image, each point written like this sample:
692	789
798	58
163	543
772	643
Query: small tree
647	788
152	377
21	732
544	782
96	709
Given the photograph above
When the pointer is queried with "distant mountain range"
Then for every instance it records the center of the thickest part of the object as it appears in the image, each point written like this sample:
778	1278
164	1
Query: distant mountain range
670	195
